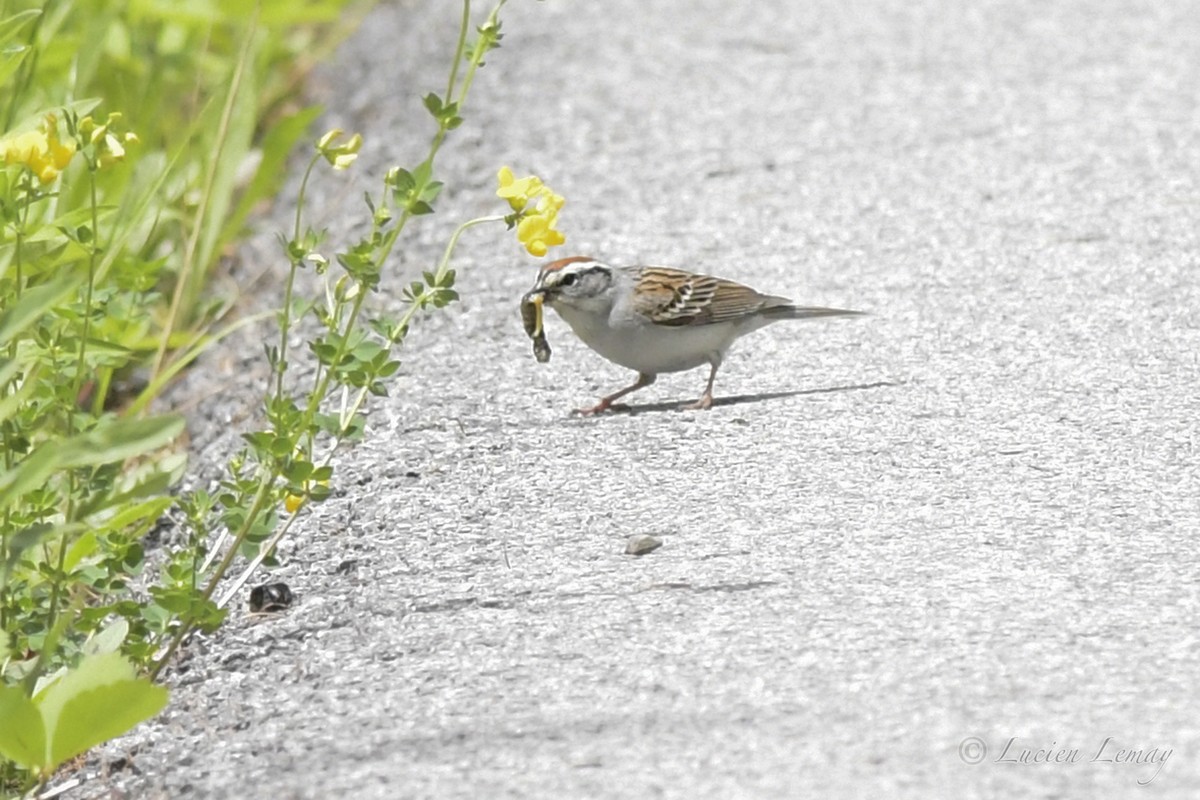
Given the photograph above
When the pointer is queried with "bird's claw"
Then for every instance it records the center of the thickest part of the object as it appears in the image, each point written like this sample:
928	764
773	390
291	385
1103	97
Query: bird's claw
600	408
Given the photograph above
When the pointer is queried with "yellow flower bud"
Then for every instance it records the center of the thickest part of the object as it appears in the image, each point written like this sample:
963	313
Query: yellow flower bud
293	502
328	138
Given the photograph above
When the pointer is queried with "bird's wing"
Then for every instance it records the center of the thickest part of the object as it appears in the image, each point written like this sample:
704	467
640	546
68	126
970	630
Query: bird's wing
674	297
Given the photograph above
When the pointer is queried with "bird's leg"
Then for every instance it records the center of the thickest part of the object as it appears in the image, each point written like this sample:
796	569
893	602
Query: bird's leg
606	403
706	400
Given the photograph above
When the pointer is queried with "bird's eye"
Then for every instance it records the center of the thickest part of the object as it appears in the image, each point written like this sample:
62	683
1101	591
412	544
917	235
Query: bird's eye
569	279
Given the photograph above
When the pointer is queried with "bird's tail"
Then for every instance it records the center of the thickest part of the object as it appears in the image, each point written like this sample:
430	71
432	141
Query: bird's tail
808	312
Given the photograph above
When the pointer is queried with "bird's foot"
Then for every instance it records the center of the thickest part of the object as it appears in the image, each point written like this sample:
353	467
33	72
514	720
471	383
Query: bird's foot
603	407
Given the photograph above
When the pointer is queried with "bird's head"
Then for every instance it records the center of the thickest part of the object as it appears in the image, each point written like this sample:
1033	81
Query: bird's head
578	282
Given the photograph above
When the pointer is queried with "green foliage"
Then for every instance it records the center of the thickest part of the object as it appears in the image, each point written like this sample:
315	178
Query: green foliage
110	224
107	237
100	698
287	463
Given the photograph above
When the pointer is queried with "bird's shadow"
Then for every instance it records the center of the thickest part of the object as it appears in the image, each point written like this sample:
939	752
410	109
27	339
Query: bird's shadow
740	399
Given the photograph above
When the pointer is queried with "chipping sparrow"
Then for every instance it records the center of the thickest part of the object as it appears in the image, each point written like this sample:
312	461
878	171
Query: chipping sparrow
654	319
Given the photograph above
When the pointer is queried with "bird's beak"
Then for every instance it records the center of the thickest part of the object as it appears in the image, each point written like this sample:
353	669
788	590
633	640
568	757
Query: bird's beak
539	291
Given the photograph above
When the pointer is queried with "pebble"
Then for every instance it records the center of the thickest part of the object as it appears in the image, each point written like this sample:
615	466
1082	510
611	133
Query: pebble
642	543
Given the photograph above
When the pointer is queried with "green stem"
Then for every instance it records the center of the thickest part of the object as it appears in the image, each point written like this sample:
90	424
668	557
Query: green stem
438	138
323	378
481	49
322	387
462	42
4	561
348	413
266	548
73	400
25	183
444	264
285	315
256	507
20	241
9	450
77	385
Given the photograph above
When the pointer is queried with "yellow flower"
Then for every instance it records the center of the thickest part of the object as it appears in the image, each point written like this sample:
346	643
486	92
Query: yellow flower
329	138
549	203
341	156
292	501
517	191
39	151
538	235
108	146
112	151
535	210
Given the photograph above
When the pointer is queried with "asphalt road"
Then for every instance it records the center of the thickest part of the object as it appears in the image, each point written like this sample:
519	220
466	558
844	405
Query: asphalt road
899	546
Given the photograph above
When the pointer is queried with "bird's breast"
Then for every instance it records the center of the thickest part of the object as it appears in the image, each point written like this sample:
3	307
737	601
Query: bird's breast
644	346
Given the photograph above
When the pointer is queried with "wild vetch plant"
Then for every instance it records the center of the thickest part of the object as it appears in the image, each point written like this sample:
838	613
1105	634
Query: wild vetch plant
90	301
288	463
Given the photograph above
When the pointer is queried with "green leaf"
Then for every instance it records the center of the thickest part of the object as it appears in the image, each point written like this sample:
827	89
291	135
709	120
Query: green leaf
431	191
232	138
423	173
298	472
29	537
282	446
14	54
98	700
109	639
355	427
109	442
403	181
33	304
121	439
81	548
13	400
22	733
151	480
139	517
11	27
32	471
72	225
